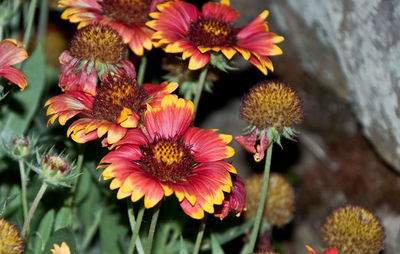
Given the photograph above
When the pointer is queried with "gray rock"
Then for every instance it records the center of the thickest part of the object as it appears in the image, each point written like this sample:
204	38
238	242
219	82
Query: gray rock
350	46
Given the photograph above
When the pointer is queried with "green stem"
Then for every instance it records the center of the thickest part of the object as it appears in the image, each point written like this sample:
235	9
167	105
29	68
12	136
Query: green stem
32	210
135	226
152	229
263	197
43	19
142	70
23	187
31	15
92	230
200	87
1	32
200	235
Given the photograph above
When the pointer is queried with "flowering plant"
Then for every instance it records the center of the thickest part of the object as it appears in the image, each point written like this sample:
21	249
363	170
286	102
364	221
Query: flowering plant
123	159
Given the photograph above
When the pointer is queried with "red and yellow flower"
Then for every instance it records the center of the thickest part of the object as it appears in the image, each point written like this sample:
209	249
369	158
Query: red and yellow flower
328	251
95	50
116	106
169	157
127	17
11	53
182	28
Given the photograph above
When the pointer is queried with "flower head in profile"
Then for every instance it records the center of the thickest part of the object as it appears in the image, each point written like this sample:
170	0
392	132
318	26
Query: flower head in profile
94	50
328	251
11	53
10	239
270	108
182	28
127	17
353	229
63	249
279	206
117	105
234	201
169	157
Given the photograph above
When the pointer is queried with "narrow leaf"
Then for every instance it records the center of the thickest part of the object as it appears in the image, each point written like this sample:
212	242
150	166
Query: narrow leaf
215	247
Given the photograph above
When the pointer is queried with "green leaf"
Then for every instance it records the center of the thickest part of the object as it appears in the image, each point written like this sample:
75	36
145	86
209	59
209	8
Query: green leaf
89	206
44	231
26	102
182	246
215	247
228	235
110	232
64	218
83	186
61	235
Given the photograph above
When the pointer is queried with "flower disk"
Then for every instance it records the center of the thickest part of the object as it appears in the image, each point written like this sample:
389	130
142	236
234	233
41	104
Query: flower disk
271	104
116	93
99	43
127	11
280	201
353	229
10	241
209	32
167	160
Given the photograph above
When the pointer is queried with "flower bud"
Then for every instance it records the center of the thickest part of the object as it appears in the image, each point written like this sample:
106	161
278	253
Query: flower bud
20	147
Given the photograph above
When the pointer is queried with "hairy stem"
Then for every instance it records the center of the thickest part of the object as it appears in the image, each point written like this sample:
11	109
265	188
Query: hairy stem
32	210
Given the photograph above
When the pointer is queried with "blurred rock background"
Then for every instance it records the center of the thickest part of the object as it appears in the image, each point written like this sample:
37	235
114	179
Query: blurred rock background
343	56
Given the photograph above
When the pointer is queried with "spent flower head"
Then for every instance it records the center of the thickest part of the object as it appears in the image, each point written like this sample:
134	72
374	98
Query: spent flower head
280	200
10	240
353	229
270	108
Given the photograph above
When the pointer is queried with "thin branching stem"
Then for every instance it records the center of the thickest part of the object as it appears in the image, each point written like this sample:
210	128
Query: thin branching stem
200	88
24	200
142	70
261	204
200	235
32	210
152	229
135	226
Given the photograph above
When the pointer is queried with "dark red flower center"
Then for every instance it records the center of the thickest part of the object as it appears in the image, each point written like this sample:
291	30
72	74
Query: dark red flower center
168	160
127	11
115	93
97	42
208	32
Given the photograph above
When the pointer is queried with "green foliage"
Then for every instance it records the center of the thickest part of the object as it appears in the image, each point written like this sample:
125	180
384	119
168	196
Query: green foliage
111	231
215	246
43	232
59	236
19	113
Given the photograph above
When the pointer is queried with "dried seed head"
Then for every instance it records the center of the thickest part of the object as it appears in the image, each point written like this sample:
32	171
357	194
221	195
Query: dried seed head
10	240
280	199
97	42
353	229
271	104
